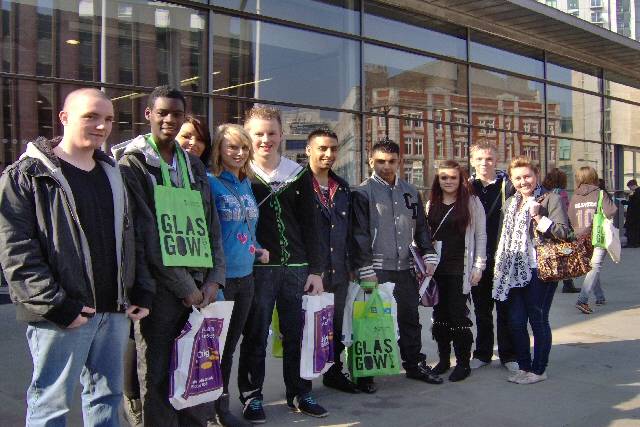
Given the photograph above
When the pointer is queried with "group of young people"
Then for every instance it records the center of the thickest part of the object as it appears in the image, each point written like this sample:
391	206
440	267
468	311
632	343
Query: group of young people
86	245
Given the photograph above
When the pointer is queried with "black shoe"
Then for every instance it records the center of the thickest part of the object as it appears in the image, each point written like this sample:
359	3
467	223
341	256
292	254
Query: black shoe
424	373
339	381
366	385
570	289
307	405
254	412
459	373
224	417
441	368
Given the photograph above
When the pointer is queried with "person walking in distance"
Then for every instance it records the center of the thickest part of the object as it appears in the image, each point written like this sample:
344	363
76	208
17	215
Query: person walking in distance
387	216
492	187
68	255
333	203
288	229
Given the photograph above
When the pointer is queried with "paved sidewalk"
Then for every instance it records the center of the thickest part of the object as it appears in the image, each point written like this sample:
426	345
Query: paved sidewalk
594	376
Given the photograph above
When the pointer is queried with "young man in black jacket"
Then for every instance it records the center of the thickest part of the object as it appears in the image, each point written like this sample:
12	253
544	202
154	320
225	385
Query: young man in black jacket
68	255
493	189
288	229
177	287
333	205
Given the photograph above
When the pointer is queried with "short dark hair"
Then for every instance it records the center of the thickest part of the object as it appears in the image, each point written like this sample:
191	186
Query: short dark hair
632	182
386	145
166	92
326	132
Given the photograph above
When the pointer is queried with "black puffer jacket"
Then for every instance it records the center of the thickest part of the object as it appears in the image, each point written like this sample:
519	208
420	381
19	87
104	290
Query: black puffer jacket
44	253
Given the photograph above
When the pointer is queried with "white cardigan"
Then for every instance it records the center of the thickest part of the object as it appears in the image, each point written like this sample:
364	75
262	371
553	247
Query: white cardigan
475	241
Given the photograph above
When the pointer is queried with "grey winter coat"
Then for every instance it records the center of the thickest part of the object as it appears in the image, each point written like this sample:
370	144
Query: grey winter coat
44	252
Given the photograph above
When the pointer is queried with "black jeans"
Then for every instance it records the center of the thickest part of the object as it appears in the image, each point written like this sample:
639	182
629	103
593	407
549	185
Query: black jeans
483	306
155	335
240	291
339	298
282	287
406	295
451	321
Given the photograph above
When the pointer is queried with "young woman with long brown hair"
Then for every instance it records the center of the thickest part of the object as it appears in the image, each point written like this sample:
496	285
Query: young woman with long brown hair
457	219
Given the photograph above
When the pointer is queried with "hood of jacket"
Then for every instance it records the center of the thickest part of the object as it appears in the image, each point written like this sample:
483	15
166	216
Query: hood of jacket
42	149
586	189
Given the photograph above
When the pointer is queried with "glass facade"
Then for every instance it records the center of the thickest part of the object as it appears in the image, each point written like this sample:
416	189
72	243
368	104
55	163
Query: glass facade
364	69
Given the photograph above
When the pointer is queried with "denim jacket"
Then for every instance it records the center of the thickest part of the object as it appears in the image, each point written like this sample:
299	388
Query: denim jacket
238	234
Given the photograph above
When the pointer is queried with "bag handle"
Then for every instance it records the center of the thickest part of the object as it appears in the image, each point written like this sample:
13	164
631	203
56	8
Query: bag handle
182	165
442	222
374	299
599	207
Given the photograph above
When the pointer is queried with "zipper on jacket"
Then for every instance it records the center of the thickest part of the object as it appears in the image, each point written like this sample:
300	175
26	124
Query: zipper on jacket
123	301
77	221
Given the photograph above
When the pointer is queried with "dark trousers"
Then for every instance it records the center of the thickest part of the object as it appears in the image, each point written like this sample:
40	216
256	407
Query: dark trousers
451	321
339	291
406	295
483	306
282	287
240	291
155	335
532	304
633	234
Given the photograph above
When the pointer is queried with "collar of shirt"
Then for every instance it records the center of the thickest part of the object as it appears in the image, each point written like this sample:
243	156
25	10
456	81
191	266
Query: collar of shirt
333	187
377	178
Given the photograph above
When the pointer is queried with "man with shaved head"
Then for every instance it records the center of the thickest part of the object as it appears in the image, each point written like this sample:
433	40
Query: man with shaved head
67	251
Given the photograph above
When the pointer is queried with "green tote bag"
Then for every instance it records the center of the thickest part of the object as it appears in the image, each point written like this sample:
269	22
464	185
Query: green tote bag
374	351
597	230
184	234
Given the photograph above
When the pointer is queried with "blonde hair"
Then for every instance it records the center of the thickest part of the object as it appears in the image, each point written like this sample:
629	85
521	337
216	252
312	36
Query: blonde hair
482	145
263	112
235	133
587	175
523	162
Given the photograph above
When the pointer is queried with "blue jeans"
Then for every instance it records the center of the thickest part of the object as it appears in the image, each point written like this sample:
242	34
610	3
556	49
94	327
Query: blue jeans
592	279
93	353
531	304
283	287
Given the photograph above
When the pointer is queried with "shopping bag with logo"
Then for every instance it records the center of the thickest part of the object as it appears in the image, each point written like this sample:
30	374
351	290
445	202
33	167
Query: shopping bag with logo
374	351
597	230
316	355
276	344
356	293
184	235
195	376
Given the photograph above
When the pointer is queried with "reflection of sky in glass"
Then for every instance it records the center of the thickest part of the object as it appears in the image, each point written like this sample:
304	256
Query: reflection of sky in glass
395	61
567	76
400	33
316	13
494	57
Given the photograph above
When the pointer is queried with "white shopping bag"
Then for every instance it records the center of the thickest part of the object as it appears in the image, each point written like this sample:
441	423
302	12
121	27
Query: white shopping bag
316	356
612	240
195	374
355	293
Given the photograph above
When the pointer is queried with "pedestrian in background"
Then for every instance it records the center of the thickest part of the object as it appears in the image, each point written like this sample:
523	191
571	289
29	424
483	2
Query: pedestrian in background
582	208
632	215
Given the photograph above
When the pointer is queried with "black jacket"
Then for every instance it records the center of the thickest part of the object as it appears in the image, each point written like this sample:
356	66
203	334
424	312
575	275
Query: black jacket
334	223
141	170
44	252
288	224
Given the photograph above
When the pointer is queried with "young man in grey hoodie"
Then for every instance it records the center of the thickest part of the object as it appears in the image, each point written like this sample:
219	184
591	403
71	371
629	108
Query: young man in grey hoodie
67	252
177	288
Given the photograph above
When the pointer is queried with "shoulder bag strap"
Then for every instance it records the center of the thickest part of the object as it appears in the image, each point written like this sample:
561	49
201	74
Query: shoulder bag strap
441	222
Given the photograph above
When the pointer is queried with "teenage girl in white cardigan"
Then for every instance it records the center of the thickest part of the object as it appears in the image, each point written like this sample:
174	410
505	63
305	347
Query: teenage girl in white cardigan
457	218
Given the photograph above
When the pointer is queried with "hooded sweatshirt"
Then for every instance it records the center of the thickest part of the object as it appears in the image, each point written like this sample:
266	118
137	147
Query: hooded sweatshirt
583	205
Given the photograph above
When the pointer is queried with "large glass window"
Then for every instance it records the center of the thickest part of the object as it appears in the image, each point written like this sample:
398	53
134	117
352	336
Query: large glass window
501	53
266	61
573	114
570	73
570	155
622	123
623	88
401	83
338	15
412	30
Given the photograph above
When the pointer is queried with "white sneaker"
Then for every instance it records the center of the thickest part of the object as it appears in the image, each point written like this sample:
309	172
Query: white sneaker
477	363
516	376
512	366
531	378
